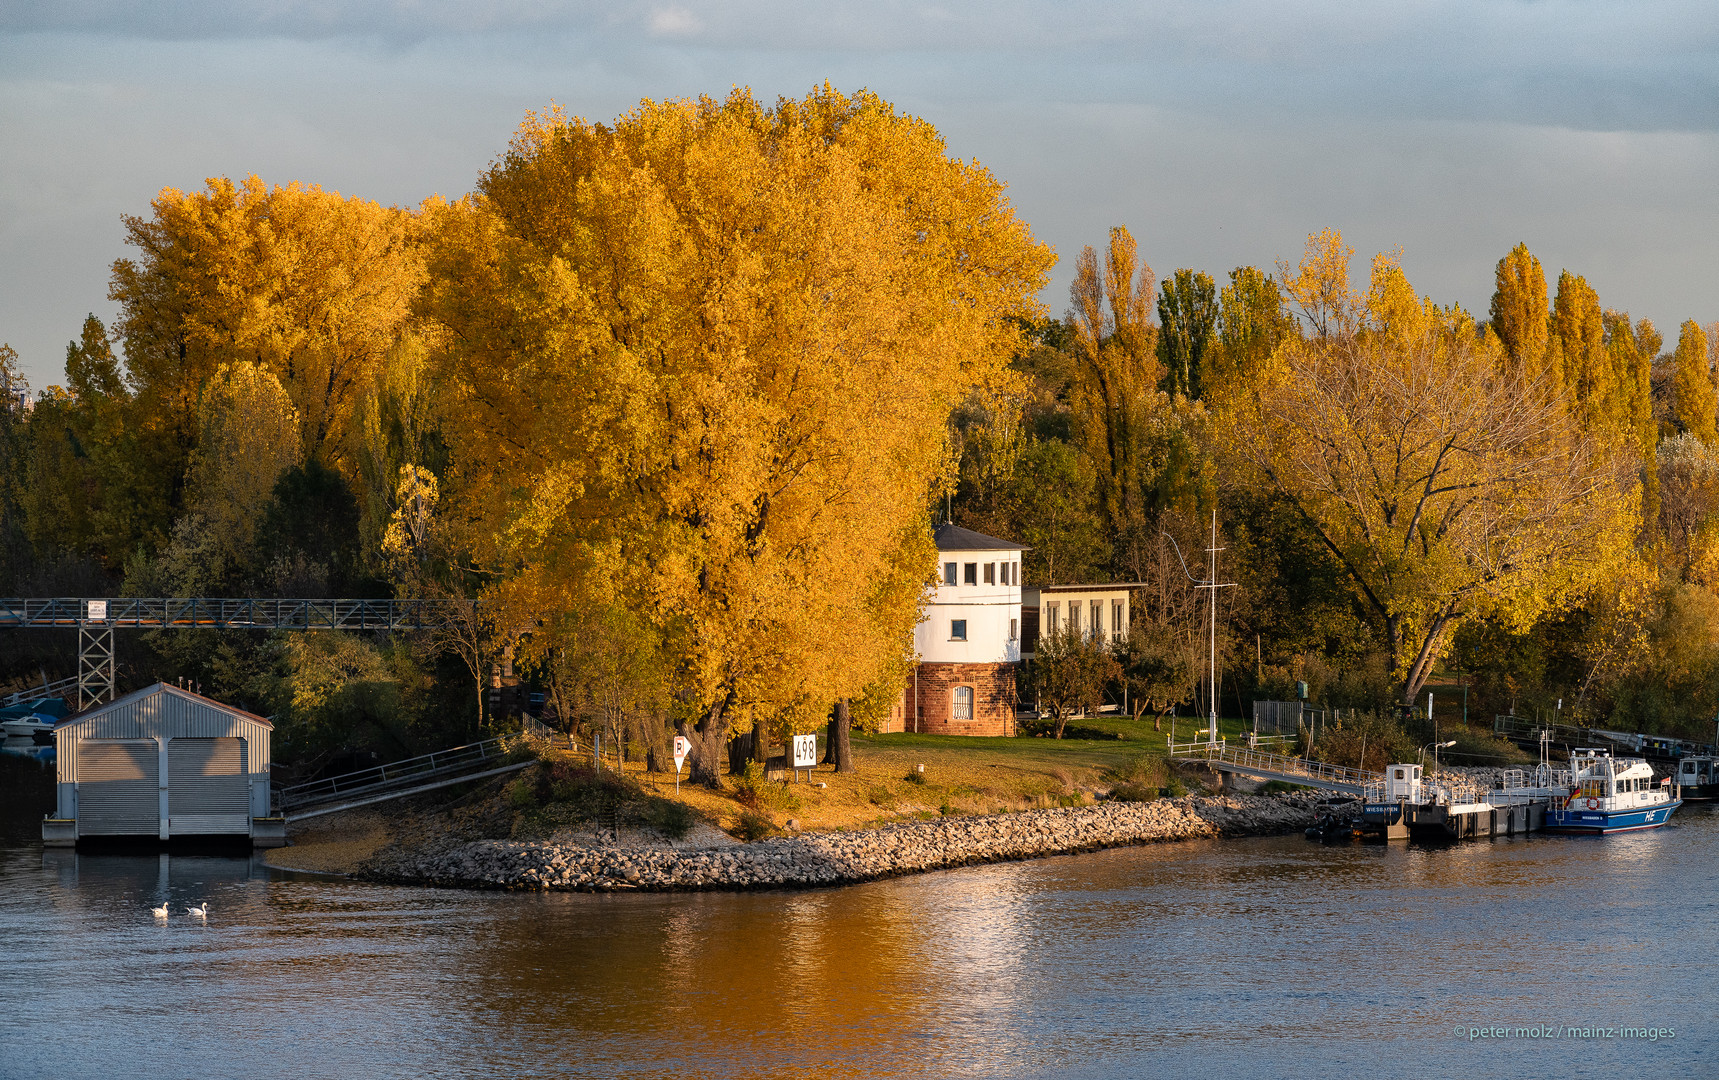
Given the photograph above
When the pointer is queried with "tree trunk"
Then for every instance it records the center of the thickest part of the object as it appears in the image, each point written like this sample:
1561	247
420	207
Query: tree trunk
1061	722
841	727
830	741
707	738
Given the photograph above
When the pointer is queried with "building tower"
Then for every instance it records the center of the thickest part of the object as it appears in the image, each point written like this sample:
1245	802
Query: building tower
969	639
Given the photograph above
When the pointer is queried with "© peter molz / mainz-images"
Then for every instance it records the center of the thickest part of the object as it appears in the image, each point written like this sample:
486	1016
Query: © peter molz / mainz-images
690	541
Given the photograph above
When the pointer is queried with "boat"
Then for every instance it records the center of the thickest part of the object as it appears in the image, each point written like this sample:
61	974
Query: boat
1698	779
24	727
1611	795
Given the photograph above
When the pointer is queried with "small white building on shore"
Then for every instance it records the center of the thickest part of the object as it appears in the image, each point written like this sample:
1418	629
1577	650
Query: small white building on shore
162	762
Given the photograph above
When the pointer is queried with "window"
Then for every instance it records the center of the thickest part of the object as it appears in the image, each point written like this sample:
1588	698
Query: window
1074	617
1118	625
972	573
990	573
1014	629
948	573
1097	618
1053	612
962	706
957	629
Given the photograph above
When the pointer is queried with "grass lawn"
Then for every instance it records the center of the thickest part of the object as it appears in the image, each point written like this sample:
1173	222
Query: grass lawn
963	775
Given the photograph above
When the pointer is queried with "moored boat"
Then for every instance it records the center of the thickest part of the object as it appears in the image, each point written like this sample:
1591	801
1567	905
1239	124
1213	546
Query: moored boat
1698	779
1611	795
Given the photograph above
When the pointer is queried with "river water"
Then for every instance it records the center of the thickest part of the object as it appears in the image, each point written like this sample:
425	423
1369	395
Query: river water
1250	958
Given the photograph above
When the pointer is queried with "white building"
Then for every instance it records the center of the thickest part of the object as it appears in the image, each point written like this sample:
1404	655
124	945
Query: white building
969	639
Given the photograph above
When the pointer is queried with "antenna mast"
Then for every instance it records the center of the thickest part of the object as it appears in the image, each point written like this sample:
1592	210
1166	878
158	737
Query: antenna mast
1213	584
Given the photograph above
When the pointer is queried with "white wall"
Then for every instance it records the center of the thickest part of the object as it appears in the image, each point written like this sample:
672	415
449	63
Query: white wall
988	610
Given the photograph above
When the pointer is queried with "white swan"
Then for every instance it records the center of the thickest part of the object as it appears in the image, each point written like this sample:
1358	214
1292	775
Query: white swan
200	912
159	912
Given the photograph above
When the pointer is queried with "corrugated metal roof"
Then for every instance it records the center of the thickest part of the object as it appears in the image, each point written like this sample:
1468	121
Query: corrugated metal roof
954	538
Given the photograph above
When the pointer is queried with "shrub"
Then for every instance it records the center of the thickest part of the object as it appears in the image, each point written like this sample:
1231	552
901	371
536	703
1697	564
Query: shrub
1280	787
915	777
521	793
1133	792
752	790
673	819
1174	788
752	826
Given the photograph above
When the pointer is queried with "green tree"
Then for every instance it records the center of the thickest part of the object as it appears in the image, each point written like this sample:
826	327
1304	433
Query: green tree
1188	318
1069	673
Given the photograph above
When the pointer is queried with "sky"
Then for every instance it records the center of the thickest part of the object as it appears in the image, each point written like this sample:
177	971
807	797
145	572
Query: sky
1220	132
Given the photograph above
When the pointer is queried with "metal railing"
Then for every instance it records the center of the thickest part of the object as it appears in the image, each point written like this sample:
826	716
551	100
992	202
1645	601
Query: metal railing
60	688
393	774
1321	772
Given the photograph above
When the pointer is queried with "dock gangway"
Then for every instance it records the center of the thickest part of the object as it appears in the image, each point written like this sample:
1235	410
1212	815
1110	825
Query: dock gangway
397	779
1264	765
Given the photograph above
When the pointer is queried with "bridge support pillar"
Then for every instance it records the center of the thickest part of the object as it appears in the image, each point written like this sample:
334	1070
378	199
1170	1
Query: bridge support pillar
95	664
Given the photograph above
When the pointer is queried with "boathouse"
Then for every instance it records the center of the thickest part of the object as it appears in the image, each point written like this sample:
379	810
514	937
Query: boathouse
162	762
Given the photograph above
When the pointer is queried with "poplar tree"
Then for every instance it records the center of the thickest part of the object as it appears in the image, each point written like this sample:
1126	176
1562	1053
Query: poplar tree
1187	317
1518	316
1692	384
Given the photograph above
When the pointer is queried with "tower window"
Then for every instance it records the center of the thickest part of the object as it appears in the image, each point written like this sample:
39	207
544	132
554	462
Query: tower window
948	573
972	573
957	629
990	573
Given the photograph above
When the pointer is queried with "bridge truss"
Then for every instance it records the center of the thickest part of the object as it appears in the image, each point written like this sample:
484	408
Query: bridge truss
95	620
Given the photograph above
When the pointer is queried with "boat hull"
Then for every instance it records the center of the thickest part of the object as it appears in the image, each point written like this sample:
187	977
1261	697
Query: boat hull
1605	822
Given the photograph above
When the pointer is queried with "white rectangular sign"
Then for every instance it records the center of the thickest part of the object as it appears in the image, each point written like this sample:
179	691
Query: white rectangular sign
805	751
98	611
681	746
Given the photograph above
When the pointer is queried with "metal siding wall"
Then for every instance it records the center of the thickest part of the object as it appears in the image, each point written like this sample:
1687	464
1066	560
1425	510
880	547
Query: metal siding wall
169	716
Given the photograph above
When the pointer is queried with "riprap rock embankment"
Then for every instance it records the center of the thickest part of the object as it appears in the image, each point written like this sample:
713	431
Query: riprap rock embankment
811	860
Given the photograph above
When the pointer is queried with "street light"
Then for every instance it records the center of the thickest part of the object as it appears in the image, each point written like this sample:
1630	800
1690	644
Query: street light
1436	747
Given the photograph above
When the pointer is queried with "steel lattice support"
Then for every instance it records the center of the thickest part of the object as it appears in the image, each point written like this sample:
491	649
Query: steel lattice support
95	664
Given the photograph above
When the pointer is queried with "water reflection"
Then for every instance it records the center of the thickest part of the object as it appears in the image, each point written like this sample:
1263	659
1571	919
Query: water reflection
1235	958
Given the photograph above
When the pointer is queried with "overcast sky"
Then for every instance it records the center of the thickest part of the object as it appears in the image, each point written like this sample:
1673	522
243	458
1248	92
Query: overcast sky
1221	132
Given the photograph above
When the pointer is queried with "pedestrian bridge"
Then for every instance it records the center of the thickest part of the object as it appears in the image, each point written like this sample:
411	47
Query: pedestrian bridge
1264	765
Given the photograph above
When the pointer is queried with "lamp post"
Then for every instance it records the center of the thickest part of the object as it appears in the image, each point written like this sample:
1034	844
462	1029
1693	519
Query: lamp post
1435	747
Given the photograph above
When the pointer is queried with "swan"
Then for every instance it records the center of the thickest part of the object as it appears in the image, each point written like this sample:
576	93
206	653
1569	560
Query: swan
200	912
159	912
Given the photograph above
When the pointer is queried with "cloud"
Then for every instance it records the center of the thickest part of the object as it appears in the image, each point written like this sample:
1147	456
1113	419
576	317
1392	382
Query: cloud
674	22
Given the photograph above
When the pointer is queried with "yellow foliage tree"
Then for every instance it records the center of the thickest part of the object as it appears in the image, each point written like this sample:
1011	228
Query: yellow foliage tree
700	362
1441	480
1692	383
313	286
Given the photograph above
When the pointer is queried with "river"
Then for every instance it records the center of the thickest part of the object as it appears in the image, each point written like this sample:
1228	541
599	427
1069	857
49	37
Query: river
1247	958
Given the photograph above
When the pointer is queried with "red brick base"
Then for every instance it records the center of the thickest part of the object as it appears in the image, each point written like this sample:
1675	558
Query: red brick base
929	699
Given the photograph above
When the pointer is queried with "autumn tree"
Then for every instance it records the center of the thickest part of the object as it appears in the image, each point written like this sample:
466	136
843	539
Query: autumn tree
703	358
1578	336
1115	371
312	286
1518	316
1251	323
1442	482
1692	383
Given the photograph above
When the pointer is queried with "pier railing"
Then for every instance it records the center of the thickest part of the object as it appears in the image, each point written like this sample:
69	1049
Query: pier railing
1279	766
